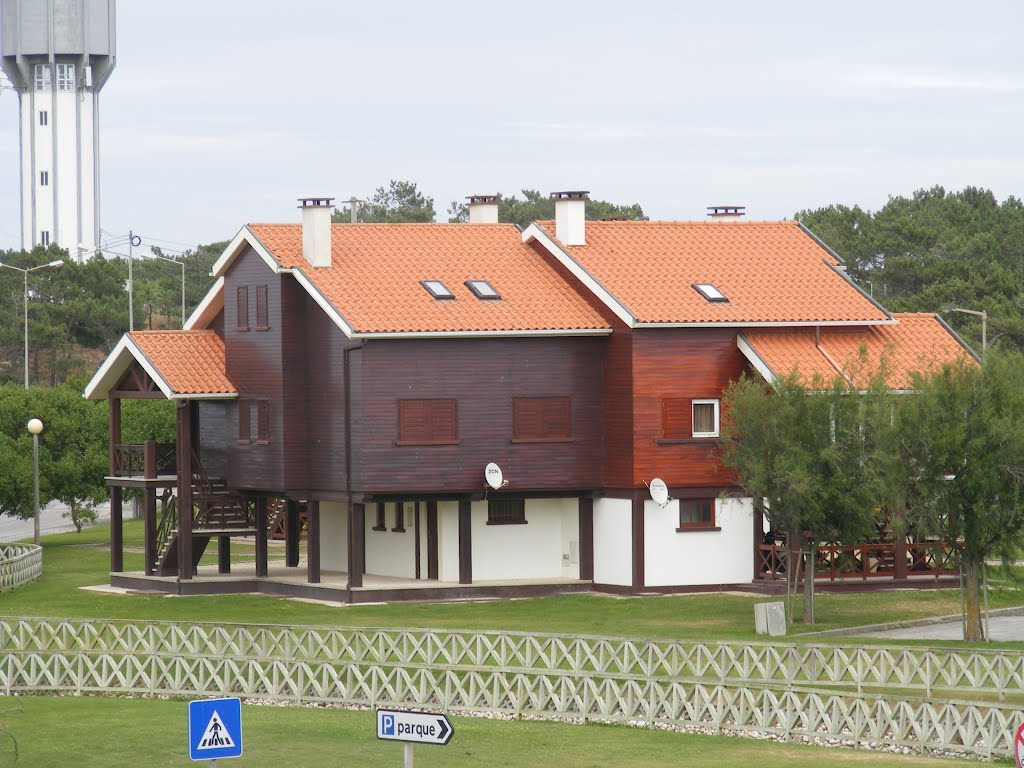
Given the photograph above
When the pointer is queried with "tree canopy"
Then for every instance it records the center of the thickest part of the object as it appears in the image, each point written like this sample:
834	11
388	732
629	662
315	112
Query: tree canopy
534	206
400	201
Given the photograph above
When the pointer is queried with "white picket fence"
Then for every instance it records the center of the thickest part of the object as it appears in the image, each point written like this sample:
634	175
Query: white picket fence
19	564
748	688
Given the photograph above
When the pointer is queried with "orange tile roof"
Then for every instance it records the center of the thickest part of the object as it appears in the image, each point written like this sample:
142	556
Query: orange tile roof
919	342
191	362
376	269
768	271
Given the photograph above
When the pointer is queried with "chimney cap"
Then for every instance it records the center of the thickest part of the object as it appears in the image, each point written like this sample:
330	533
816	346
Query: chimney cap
479	199
571	195
727	210
315	202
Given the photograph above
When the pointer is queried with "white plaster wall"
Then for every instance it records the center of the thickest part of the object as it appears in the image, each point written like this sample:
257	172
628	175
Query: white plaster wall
613	542
699	557
333	536
531	551
391	553
447	541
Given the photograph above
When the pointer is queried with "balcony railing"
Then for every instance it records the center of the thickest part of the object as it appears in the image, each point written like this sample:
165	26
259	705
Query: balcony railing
148	460
863	561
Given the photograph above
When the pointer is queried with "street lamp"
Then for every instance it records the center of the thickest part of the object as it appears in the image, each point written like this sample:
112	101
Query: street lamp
56	263
984	323
35	426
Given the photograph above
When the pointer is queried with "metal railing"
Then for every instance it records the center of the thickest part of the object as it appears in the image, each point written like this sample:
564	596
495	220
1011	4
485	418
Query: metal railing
813	691
19	564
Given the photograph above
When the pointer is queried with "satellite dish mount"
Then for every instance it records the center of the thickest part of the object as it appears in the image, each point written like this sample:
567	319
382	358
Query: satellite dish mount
494	477
659	492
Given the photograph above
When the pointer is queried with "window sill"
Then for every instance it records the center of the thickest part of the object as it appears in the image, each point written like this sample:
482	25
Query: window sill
518	440
262	327
508	522
694	528
241	329
379	528
428	442
398	530
685	440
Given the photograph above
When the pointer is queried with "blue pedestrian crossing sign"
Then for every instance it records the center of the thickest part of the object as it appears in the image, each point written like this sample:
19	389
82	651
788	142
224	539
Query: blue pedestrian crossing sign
214	729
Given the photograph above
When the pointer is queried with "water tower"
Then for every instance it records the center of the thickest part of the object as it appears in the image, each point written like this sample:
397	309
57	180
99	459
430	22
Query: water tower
58	54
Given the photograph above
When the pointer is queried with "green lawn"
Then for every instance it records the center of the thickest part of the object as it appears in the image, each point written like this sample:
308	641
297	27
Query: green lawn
72	560
55	732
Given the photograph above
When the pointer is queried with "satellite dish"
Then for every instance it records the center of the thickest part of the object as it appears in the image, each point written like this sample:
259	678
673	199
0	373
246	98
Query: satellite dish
659	491
492	473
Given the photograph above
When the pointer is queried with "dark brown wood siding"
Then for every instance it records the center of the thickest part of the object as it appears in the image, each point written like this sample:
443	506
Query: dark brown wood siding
483	376
679	364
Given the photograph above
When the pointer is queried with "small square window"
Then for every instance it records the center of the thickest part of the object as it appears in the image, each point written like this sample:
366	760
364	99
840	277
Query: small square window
42	72
44	117
705	418
696	513
437	289
44	238
710	292
482	290
506	512
44	178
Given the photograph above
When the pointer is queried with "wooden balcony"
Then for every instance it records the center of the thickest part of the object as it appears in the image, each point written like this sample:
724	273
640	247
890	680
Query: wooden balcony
863	562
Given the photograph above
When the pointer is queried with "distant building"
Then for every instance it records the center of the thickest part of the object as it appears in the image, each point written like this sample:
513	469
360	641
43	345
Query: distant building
58	54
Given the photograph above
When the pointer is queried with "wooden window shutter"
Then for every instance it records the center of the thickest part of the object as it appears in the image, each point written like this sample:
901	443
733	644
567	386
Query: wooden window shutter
261	308
443	426
427	421
263	421
242	321
243	421
541	418
526	418
412	421
676	418
556	418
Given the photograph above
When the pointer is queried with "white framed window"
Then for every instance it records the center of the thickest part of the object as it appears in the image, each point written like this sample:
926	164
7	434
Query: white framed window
44	117
44	238
42	76
65	77
706	417
44	178
710	292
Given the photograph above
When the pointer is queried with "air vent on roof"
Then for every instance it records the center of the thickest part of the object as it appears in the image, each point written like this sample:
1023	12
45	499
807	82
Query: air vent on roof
482	289
437	289
710	292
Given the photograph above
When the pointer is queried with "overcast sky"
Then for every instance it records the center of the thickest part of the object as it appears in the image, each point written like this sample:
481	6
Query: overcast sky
223	112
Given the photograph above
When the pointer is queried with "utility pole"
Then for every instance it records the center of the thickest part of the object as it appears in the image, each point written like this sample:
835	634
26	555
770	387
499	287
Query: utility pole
133	240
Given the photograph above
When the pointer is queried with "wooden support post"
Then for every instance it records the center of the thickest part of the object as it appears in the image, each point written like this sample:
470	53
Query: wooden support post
586	524
149	530
313	541
900	556
465	542
638	542
116	531
149	459
356	544
291	533
184	455
432	540
223	554
261	536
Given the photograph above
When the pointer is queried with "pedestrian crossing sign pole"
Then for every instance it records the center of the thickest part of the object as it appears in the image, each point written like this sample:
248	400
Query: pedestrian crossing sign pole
214	729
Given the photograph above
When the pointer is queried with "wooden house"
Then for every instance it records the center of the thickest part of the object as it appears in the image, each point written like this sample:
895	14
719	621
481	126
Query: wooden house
361	377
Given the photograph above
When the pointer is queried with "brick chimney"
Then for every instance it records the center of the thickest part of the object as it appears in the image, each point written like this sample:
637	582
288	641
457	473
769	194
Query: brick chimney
571	217
483	209
316	230
726	212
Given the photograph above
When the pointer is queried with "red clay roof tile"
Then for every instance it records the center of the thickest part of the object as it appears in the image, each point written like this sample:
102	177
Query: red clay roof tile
191	362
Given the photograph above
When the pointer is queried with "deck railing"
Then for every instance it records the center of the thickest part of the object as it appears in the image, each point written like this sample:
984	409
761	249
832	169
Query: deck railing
19	564
814	692
863	561
130	460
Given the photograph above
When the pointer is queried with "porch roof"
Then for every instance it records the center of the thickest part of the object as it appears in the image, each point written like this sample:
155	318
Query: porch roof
918	342
181	364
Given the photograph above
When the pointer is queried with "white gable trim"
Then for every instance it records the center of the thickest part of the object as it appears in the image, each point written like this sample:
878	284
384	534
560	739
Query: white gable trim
124	353
244	237
321	300
535	232
755	359
208	308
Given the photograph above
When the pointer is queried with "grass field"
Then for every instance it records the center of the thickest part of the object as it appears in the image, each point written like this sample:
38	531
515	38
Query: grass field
72	560
54	732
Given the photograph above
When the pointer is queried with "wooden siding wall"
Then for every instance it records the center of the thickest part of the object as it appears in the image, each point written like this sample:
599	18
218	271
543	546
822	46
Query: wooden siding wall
298	389
254	364
689	363
484	375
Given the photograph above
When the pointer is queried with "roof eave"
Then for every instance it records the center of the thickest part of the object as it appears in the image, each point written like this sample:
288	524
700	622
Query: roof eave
770	324
113	368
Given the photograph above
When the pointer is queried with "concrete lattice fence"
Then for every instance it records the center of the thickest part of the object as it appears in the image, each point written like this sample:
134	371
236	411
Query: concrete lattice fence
809	691
19	564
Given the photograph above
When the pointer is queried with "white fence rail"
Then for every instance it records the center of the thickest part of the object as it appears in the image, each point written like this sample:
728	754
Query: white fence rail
19	564
719	686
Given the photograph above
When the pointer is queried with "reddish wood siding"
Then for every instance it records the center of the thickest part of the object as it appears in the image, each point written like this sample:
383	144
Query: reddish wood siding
484	376
679	364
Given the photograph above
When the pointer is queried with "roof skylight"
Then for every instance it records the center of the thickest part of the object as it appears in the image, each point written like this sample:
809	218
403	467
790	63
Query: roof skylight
709	291
437	289
482	289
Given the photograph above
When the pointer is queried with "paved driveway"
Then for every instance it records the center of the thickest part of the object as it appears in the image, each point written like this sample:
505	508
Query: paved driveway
1001	628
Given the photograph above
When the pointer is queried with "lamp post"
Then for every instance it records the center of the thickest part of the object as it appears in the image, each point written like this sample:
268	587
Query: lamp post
35	426
984	323
56	263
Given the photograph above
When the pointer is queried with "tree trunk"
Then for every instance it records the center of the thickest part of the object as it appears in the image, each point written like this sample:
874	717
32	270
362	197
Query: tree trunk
812	552
973	631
